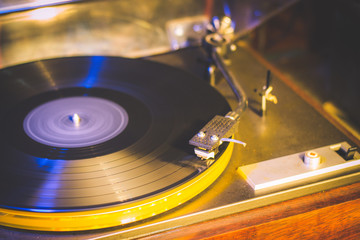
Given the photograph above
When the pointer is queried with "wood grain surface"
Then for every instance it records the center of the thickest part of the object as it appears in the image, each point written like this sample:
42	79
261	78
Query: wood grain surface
333	214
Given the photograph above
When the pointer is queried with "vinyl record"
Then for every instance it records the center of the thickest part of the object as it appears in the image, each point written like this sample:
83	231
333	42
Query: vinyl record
91	133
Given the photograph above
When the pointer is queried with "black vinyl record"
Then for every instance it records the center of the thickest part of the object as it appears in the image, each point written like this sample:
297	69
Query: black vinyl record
85	132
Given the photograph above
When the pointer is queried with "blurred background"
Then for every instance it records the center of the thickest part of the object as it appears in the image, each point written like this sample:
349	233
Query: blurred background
315	44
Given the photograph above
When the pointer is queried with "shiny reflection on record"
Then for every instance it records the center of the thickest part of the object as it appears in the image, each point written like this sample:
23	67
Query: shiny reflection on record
75	122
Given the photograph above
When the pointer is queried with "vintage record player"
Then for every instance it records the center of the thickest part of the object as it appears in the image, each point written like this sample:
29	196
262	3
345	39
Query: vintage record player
156	119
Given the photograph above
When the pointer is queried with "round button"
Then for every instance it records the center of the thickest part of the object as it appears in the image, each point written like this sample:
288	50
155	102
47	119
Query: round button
312	159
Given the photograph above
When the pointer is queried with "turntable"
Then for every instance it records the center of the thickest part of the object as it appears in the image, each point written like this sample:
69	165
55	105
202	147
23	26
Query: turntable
121	146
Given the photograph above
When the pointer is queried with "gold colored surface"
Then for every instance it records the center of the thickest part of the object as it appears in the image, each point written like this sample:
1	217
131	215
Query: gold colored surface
110	28
126	28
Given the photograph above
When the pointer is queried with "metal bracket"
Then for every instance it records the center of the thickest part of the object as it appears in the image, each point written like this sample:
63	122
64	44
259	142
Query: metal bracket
300	168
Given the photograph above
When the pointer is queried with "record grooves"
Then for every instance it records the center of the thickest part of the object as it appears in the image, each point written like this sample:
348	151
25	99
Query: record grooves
139	114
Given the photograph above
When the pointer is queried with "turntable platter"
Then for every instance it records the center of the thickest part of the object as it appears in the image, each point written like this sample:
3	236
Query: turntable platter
94	142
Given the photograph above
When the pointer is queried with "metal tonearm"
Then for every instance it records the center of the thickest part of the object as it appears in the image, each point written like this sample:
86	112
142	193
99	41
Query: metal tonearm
220	128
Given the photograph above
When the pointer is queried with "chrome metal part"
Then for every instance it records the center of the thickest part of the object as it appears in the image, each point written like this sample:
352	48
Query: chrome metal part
220	40
299	168
7	6
211	71
204	154
312	159
267	96
187	31
201	134
221	127
209	136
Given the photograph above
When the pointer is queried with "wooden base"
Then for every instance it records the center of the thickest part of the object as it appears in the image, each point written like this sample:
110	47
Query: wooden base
333	214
